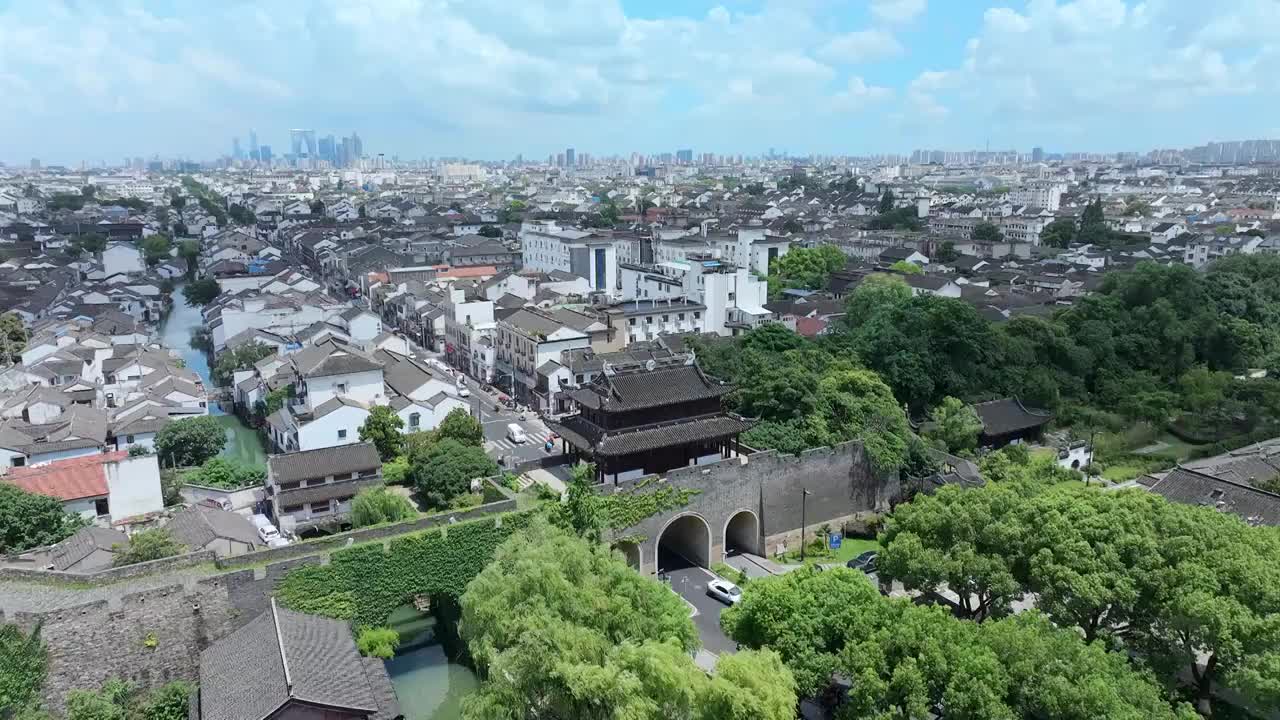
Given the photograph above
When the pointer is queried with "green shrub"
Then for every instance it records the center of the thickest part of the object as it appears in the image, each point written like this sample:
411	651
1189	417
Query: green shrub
379	642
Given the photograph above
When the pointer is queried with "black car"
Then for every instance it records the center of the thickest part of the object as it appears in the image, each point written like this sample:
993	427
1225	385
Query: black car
866	562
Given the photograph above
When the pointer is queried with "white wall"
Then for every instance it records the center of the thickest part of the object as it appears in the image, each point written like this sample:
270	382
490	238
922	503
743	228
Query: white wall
133	486
323	433
365	387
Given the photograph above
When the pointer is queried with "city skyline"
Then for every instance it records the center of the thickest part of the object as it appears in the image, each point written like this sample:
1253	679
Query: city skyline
489	81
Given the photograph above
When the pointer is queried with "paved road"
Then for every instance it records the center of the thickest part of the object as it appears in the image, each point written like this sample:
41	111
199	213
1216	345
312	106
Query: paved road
690	582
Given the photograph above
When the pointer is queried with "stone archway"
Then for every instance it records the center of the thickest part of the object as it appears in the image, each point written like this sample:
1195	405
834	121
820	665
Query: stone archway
685	540
742	533
630	552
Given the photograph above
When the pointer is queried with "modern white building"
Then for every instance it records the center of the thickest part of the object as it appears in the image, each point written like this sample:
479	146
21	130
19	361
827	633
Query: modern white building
546	247
1047	195
103	487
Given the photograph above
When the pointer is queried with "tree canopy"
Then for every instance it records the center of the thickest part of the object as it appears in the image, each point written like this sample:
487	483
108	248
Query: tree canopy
375	505
201	292
382	428
807	268
955	426
156	248
190	441
13	338
241	357
443	470
905	660
145	546
562	628
29	520
459	425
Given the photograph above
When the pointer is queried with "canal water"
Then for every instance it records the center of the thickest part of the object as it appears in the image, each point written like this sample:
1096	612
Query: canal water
429	685
243	442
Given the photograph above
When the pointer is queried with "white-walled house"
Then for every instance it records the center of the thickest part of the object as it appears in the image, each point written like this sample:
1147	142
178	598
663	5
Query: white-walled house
105	487
120	257
315	487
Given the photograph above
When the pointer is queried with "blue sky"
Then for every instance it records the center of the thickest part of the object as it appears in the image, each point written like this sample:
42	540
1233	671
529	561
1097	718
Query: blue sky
105	79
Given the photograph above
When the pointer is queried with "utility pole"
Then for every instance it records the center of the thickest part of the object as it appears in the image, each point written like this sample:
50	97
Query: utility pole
804	496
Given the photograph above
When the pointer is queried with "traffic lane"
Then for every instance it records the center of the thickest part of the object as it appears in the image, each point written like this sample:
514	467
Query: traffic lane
690	582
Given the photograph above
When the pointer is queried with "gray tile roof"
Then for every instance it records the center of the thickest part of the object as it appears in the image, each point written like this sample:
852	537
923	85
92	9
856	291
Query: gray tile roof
198	526
647	438
284	656
642	389
82	544
338	461
1254	506
1001	417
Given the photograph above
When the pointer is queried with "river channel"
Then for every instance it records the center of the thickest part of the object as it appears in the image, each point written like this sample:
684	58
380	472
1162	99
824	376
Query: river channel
243	442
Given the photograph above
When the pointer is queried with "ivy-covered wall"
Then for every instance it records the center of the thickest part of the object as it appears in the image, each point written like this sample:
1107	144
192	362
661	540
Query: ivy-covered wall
365	583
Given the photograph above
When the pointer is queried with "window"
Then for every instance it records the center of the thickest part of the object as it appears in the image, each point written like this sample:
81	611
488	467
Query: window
680	316
342	387
290	486
415	419
100	507
203	404
18	461
128	439
578	378
342	434
648	320
666	318
291	509
632	321
320	508
697	315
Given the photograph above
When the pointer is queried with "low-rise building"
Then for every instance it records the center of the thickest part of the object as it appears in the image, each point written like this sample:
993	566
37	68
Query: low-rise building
315	487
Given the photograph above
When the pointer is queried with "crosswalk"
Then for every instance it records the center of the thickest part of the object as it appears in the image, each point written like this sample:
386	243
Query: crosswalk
504	444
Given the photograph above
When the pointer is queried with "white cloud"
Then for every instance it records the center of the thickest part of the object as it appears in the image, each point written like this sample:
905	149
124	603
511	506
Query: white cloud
897	11
857	95
861	46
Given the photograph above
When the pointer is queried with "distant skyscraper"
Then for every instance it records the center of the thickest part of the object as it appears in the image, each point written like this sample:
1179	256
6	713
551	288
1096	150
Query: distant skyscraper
264	153
1037	154
569	158
302	143
357	147
685	157
35	163
253	145
235	148
325	149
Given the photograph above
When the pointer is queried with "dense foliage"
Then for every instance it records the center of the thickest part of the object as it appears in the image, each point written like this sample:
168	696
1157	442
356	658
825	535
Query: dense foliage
459	425
119	700
29	520
13	338
379	642
366	582
201	292
1171	582
375	505
219	472
805	268
444	470
382	428
190	441
242	357
23	664
905	660
562	628
145	546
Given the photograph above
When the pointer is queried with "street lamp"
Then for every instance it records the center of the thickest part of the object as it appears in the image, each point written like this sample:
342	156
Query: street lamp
804	495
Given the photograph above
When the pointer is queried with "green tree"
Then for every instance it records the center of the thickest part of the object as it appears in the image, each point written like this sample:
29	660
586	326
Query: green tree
856	404
955	426
560	627
88	191
459	425
906	268
156	248
13	338
905	661
378	642
887	201
92	243
382	428
190	441
219	472
987	232
317	207
946	252
145	546
242	357
23	665
377	505
444	470
242	215
581	512
491	231
29	520
808	267
1058	233
201	292
967	541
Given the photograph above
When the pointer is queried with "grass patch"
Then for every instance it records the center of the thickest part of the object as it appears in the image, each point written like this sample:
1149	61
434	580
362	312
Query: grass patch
730	573
850	548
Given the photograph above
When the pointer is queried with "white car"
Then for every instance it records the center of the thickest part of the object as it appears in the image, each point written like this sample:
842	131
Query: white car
463	391
724	591
516	434
268	533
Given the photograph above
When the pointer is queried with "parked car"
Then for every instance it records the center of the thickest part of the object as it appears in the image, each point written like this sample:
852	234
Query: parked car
515	434
268	534
724	591
866	562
